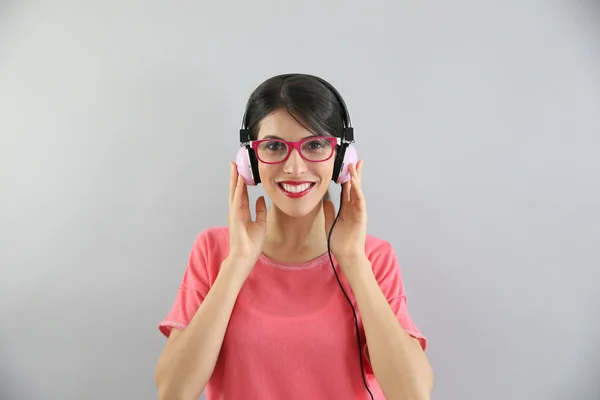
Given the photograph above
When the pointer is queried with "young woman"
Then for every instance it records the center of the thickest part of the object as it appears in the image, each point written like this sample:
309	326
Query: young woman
284	307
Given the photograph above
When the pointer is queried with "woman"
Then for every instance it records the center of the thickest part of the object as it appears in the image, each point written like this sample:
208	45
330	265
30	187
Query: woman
264	310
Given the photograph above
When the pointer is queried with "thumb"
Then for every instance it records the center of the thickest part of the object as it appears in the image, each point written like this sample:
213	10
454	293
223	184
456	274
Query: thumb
329	211
261	210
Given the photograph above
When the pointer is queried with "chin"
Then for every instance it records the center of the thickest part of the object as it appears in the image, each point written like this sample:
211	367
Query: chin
295	211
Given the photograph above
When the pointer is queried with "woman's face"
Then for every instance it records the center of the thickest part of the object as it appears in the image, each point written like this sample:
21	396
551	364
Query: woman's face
296	186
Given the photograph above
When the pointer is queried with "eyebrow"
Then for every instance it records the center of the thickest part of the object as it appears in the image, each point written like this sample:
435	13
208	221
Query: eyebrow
280	138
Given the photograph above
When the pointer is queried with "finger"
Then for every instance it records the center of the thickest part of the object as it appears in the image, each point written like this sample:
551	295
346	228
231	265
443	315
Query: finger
237	193
355	178
357	194
346	189
360	169
356	174
232	181
261	210
354	171
351	170
245	201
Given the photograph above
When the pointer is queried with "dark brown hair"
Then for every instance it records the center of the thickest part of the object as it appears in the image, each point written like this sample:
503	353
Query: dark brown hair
308	100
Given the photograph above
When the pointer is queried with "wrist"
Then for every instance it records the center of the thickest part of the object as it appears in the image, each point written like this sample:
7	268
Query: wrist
355	266
353	259
236	270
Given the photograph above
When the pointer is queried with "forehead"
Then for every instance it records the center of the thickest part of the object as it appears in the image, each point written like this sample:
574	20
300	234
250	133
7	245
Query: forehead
282	125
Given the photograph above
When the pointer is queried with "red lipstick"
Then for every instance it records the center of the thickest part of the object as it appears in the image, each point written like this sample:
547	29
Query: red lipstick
292	190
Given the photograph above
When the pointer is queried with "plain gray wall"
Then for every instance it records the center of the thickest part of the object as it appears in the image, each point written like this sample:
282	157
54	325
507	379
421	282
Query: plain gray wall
479	124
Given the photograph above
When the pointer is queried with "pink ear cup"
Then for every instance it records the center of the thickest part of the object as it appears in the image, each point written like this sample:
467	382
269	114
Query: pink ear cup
243	166
350	157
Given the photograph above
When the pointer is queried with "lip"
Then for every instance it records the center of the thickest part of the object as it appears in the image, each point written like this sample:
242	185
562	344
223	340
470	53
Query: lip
299	194
295	182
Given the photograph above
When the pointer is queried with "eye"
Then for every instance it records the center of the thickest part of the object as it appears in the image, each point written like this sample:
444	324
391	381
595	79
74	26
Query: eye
317	144
274	146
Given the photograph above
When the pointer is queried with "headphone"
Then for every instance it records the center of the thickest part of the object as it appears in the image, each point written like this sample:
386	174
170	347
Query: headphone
345	152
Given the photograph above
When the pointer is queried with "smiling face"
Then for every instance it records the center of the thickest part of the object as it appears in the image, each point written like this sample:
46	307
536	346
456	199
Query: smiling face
296	186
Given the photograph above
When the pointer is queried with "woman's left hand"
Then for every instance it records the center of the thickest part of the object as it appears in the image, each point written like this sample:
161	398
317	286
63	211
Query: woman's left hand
350	230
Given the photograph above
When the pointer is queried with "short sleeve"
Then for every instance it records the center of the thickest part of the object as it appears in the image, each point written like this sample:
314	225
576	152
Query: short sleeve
192	290
388	274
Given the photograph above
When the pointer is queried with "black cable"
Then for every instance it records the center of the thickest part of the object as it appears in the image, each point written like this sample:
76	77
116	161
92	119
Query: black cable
362	370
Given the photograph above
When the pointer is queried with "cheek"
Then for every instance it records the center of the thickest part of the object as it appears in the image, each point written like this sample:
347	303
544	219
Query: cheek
325	169
322	170
267	172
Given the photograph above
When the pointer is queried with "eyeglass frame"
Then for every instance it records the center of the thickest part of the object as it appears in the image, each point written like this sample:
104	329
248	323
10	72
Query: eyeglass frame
335	141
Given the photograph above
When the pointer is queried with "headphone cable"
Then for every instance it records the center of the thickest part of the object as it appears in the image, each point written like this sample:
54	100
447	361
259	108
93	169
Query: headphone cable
362	370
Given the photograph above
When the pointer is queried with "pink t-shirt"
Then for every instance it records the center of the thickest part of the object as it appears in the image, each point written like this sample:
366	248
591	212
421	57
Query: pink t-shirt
291	334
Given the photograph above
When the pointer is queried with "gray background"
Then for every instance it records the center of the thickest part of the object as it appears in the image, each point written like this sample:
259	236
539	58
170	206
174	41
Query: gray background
479	124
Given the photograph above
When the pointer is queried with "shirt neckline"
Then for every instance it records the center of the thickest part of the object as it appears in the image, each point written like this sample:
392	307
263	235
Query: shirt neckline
315	262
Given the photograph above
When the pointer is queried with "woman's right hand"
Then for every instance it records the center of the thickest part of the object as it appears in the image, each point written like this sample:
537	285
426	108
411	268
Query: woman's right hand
246	237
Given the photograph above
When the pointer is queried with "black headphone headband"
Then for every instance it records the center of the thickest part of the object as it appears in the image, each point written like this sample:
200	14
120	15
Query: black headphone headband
348	132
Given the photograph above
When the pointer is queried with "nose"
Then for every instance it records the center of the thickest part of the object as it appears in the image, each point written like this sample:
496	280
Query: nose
295	164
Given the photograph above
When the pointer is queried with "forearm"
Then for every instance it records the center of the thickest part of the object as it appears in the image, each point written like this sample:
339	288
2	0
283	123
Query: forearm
399	364
188	362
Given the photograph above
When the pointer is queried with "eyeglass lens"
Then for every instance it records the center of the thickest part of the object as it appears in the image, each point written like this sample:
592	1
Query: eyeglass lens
277	150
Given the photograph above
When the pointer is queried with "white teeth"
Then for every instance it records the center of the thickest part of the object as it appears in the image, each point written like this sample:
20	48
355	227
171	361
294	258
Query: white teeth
295	188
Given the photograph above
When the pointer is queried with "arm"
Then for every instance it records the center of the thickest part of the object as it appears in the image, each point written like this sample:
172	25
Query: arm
399	363
189	357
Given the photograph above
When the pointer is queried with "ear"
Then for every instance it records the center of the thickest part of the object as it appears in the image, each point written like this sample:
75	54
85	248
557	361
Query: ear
253	165
244	162
350	156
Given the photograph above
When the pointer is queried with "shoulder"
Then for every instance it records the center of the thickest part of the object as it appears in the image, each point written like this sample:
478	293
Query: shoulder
213	238
209	249
384	261
379	250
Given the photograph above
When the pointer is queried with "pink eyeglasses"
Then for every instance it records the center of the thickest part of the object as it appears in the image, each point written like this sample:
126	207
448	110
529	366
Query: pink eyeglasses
312	149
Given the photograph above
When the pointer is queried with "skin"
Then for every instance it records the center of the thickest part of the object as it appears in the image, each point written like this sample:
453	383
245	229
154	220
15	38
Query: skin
300	226
294	230
294	226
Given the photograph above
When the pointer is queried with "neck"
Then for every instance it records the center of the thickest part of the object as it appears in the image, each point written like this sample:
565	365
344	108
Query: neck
295	239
